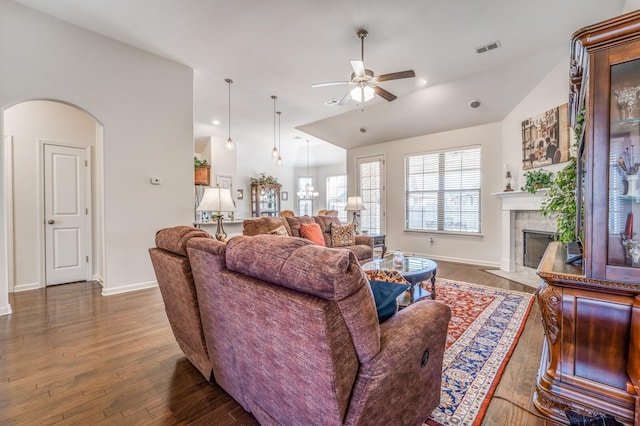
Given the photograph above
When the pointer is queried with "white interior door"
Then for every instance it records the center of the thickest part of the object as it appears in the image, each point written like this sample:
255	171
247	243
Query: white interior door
65	180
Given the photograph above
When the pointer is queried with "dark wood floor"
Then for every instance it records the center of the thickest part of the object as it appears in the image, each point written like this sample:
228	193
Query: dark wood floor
71	356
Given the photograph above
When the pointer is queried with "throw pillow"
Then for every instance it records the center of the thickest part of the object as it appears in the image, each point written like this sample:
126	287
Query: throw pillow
342	236
385	295
312	232
388	275
280	231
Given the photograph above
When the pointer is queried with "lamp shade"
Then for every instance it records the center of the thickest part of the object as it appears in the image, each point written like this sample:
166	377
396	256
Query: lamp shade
216	200
355	203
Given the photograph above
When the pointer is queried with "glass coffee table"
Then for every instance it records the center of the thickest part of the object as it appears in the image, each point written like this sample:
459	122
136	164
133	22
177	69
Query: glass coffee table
414	269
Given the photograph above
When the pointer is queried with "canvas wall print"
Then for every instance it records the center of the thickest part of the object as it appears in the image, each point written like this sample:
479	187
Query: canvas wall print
545	138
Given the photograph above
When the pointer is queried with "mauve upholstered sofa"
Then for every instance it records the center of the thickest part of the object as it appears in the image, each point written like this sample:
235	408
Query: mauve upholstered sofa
292	334
173	273
363	248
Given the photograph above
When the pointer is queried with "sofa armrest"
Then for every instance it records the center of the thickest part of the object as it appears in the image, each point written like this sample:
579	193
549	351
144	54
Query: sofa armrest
364	240
406	374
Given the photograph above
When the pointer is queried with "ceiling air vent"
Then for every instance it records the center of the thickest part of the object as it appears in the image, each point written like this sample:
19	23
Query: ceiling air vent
488	47
332	102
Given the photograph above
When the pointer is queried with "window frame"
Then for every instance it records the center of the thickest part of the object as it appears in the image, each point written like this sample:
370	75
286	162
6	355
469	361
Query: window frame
342	213
441	191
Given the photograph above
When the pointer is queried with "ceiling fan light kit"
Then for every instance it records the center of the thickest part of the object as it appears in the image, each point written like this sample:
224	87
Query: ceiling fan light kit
365	81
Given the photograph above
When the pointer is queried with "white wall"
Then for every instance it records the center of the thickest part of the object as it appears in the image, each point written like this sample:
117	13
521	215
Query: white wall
252	164
29	123
552	91
483	250
145	104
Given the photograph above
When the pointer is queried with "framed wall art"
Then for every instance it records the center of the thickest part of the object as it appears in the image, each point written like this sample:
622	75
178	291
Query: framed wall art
545	138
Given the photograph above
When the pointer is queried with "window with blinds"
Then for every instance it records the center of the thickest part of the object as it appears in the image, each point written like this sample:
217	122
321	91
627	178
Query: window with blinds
305	205
370	185
443	191
337	195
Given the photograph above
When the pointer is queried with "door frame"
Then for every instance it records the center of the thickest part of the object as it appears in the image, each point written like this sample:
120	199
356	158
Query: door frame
88	241
7	146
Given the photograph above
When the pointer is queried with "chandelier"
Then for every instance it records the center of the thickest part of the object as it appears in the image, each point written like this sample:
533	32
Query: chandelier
307	193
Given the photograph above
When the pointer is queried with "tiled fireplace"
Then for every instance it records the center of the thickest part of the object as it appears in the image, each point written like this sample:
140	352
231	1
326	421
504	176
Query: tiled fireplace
520	211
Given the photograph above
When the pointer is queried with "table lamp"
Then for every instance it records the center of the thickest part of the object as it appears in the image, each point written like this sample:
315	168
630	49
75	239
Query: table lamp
217	200
355	204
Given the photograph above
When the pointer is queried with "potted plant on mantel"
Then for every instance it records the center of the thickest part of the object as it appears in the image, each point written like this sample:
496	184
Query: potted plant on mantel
536	179
560	201
201	171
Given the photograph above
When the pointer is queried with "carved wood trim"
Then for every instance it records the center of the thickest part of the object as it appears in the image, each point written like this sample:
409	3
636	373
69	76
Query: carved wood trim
548	300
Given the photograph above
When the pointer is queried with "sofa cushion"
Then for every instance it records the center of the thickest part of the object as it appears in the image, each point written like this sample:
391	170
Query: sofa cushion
280	231
385	294
342	236
312	232
175	239
294	263
295	222
325	223
262	225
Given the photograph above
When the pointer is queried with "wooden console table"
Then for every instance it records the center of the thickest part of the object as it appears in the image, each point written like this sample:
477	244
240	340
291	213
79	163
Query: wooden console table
379	241
586	360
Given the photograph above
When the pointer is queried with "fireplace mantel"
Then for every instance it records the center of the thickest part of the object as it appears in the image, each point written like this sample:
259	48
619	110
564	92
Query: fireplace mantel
511	202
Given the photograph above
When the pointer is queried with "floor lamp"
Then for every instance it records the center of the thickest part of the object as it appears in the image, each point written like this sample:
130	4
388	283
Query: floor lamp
217	200
355	204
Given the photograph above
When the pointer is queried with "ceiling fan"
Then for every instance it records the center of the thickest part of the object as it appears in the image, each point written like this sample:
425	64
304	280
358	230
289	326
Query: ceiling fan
365	81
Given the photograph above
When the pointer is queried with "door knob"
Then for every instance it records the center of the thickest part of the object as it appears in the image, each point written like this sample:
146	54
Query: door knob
51	221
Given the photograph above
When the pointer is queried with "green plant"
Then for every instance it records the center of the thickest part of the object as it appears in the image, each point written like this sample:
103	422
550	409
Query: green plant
560	201
199	163
536	179
264	180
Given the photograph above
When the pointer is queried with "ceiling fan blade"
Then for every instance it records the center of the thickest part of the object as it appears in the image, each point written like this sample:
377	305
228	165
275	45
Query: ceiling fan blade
346	99
396	75
358	68
329	83
384	94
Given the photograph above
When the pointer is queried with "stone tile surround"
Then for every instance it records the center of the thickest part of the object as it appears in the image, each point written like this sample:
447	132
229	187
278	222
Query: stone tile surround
520	210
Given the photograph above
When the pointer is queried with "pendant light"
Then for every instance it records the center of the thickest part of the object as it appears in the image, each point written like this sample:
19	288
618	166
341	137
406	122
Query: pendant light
307	193
229	144
274	152
279	162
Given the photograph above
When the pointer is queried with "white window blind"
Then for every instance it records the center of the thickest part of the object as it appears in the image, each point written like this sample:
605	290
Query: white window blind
337	195
443	191
305	205
370	182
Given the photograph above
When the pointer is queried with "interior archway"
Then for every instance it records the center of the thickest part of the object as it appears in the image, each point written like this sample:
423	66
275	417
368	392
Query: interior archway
26	126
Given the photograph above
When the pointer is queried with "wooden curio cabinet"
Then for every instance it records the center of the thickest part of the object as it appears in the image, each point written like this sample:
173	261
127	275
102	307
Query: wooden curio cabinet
265	200
589	364
612	137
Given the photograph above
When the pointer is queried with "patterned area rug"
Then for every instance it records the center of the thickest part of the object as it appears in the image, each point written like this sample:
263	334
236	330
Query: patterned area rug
484	329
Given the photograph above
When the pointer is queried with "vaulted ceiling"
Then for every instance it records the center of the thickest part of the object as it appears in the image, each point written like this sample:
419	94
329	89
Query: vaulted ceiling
282	47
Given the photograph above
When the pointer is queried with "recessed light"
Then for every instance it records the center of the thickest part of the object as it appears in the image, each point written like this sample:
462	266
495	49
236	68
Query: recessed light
216	122
422	82
474	103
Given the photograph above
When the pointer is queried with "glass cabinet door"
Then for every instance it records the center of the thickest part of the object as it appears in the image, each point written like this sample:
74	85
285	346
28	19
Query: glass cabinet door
623	219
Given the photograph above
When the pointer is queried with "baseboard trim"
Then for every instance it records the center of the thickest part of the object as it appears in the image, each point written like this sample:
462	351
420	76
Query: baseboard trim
128	288
6	310
456	260
26	287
